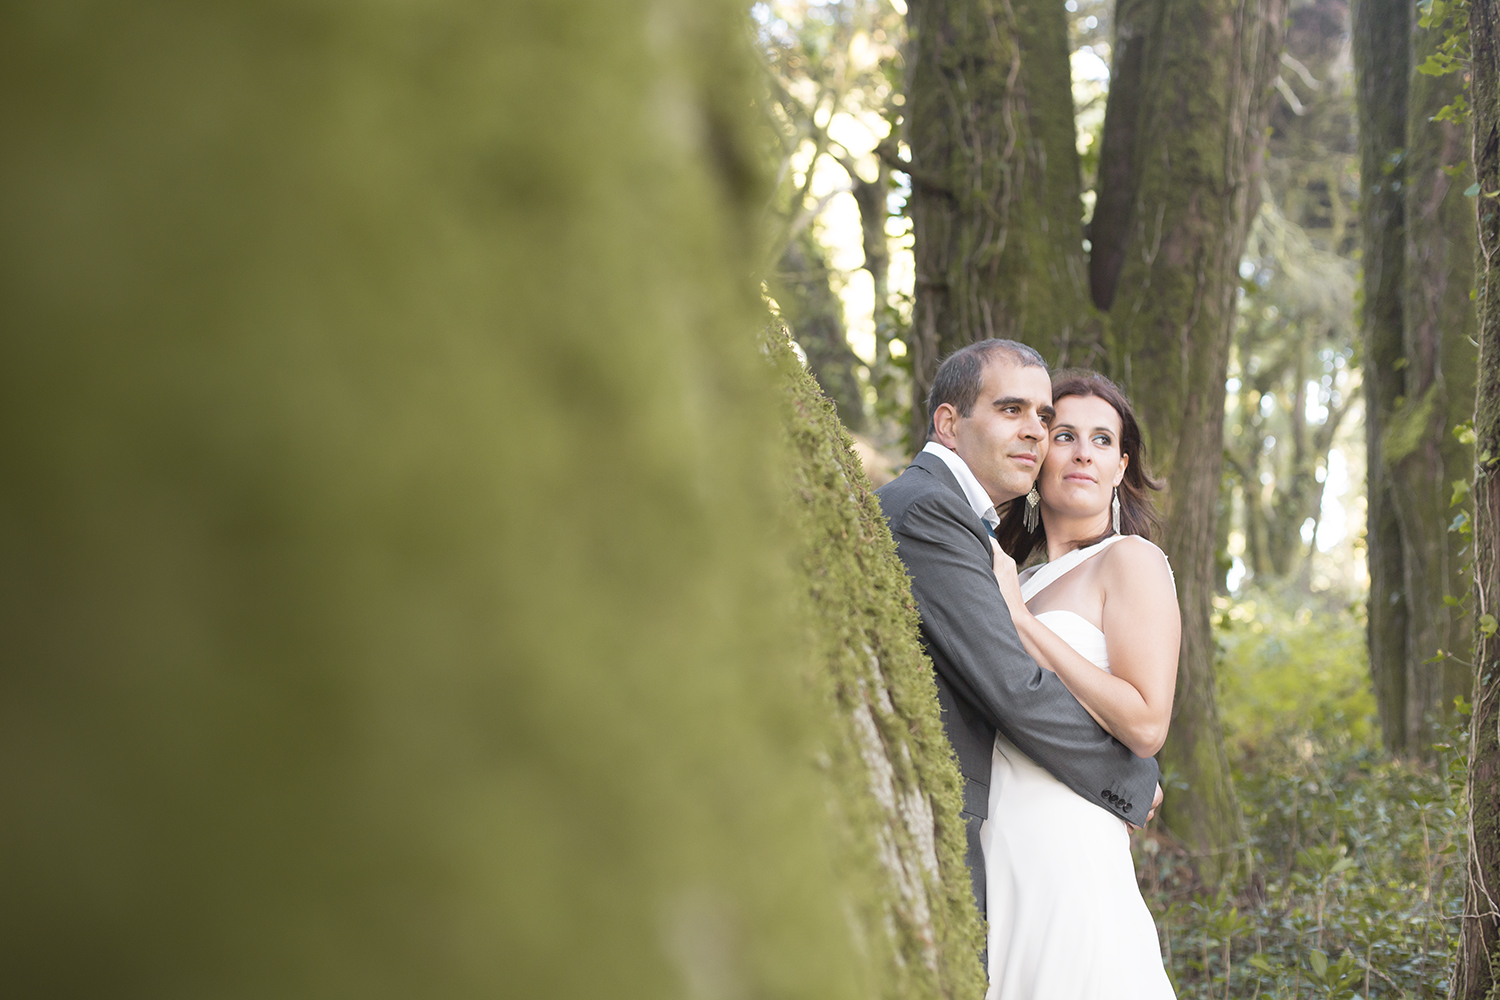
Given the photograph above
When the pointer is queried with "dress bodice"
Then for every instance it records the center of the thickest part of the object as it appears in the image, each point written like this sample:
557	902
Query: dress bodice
1080	633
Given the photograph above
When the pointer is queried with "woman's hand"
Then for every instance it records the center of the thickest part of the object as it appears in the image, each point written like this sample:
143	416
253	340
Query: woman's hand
1010	583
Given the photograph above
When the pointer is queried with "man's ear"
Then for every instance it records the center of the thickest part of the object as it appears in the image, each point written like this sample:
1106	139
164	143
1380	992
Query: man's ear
944	423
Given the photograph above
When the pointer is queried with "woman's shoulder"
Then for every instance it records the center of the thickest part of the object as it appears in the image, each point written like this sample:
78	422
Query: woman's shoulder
1137	557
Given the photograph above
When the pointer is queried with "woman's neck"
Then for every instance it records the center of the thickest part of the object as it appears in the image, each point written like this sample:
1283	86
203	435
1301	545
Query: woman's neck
1064	533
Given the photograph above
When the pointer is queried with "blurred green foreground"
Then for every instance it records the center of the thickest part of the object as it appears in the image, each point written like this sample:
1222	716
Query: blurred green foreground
393	587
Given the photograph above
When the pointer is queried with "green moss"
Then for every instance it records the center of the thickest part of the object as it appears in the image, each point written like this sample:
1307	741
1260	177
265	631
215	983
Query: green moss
396	599
898	791
1408	427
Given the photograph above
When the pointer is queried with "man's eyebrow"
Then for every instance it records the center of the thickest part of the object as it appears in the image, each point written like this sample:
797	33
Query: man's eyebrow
1045	409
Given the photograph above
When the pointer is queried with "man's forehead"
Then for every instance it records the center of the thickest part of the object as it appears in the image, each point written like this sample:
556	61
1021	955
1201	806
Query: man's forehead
1004	377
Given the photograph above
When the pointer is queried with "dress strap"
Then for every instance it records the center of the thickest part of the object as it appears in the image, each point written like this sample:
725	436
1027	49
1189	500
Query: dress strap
1049	573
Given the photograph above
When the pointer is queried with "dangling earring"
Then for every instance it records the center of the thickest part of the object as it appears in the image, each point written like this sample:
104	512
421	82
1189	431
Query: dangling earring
1115	510
1028	518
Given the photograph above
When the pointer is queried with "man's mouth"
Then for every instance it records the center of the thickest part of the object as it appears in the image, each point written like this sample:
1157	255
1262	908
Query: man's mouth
1026	457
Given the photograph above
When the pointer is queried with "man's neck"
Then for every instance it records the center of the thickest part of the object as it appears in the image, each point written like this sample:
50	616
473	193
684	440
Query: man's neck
978	497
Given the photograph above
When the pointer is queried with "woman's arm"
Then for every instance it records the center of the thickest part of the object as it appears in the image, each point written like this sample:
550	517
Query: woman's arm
1142	631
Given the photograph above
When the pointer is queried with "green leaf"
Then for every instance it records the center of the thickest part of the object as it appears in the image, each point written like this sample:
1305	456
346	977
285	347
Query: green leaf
1465	433
1438	64
1471	190
1452	602
1259	962
1488	625
1318	961
1460	491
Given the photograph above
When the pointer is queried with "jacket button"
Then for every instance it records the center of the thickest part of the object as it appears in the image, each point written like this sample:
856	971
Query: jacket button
1104	794
1126	807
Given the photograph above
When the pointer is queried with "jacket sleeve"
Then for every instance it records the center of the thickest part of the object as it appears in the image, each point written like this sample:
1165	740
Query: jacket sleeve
964	615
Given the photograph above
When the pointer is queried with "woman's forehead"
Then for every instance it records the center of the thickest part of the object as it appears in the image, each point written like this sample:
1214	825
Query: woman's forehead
1087	411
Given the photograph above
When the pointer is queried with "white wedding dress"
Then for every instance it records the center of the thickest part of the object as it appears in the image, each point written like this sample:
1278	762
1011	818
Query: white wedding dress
1066	917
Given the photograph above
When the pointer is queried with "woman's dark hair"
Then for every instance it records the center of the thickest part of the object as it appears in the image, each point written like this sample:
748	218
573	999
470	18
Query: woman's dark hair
1138	515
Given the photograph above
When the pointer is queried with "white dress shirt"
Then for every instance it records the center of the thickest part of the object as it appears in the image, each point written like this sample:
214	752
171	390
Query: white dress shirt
977	497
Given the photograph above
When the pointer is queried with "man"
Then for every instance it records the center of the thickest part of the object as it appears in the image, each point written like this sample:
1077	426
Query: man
986	437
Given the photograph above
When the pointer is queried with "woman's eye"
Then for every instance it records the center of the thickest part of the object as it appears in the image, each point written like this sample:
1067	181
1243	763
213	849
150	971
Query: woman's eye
1102	441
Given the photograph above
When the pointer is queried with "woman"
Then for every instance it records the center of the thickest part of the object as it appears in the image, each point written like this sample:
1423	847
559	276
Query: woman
1066	916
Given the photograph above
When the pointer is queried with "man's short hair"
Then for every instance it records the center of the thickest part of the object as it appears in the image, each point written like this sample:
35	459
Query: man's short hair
961	375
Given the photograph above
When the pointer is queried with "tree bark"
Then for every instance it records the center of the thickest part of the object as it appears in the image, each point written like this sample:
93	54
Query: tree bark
1421	454
995	183
1185	134
1382	39
1419	372
1475	977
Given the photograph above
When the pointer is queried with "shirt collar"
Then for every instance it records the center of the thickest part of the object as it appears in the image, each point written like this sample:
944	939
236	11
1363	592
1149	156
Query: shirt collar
973	492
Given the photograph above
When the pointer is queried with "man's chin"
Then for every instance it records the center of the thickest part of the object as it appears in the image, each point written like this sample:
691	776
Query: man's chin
1010	493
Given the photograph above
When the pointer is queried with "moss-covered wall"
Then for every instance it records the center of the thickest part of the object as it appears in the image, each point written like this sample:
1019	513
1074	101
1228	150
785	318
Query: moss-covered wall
897	790
399	592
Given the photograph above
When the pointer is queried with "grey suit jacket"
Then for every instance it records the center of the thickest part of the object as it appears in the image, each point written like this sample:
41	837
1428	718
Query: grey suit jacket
985	679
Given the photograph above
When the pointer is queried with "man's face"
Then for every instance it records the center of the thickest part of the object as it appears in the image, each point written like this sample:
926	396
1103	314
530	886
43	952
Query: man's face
1004	439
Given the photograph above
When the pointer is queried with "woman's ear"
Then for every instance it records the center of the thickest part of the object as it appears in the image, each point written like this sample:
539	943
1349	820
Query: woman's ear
1120	472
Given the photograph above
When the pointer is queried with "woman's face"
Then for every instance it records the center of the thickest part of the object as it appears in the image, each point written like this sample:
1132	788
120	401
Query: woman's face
1084	463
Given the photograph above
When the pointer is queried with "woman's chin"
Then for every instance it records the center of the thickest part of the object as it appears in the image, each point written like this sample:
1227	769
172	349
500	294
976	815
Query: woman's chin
1072	512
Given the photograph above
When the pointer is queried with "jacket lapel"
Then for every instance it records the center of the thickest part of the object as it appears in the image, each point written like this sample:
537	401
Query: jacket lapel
938	469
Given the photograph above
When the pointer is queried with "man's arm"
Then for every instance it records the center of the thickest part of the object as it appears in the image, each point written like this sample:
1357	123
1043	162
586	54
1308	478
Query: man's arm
982	657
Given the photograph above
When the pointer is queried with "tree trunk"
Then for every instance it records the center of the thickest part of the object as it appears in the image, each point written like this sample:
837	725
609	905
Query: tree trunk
1479	936
1422	455
1382	39
816	318
394	599
1183	142
995	183
1419	371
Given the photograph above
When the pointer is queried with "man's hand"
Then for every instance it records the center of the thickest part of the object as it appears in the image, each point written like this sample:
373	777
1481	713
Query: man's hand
1006	576
1155	802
